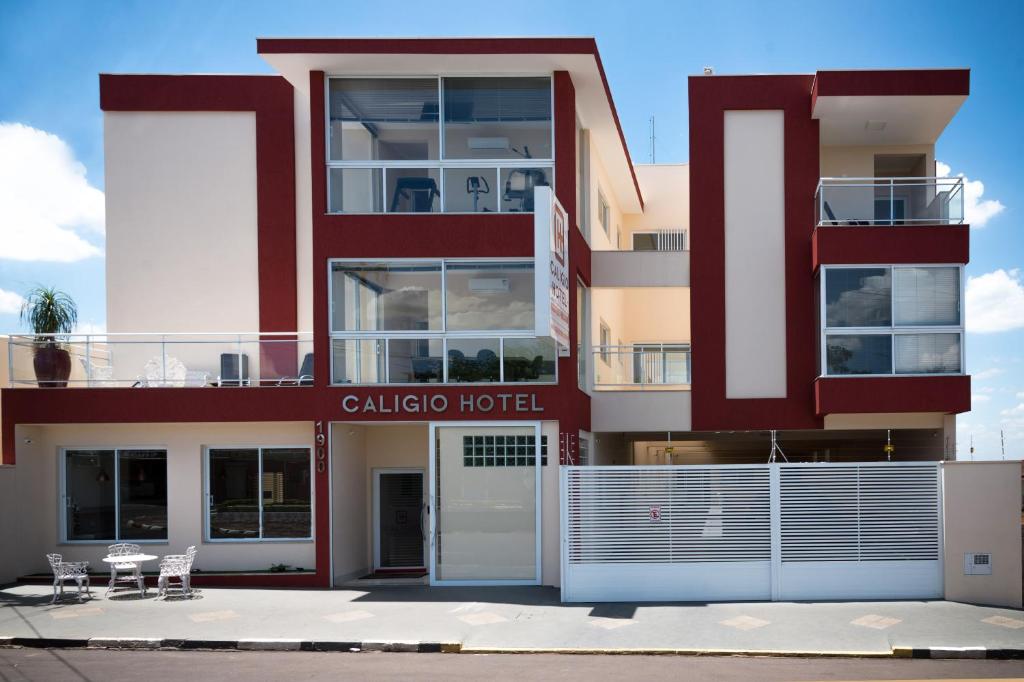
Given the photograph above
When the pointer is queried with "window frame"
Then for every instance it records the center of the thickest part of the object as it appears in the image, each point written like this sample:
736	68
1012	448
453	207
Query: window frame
205	501
443	334
62	496
604	213
441	163
893	330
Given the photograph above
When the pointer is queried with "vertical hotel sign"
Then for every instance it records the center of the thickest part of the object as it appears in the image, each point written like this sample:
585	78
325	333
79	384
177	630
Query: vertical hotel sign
551	265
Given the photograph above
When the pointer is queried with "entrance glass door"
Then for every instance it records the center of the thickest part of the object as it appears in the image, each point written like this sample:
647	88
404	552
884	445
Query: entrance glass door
485	506
399	518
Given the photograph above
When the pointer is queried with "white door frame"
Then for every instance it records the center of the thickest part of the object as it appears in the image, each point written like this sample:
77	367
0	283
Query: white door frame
375	504
432	505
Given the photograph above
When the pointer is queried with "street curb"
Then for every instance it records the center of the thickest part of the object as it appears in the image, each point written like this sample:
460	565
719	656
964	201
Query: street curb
408	646
147	643
957	652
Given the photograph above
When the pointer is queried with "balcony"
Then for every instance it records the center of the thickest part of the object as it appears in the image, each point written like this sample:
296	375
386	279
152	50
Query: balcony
176	360
642	367
657	258
641	388
890	202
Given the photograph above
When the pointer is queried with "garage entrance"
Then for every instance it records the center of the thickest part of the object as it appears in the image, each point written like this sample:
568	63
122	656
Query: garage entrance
752	532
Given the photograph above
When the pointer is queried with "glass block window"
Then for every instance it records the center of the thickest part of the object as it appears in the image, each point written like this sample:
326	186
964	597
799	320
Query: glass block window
502	451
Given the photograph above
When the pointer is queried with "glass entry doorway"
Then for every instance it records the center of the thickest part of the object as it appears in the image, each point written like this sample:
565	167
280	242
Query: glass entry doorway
485	503
398	519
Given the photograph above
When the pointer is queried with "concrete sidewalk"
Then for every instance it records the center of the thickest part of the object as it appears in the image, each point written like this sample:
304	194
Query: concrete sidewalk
509	619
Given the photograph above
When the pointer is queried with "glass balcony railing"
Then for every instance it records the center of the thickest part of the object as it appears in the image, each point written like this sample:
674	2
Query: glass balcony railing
889	201
415	359
177	360
660	366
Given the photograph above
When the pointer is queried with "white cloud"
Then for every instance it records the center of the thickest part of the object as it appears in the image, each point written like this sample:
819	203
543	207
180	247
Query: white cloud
1017	411
995	302
979	398
10	302
1020	394
977	212
985	374
47	206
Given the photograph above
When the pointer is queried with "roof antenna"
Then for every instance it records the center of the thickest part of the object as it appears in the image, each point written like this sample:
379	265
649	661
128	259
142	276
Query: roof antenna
652	140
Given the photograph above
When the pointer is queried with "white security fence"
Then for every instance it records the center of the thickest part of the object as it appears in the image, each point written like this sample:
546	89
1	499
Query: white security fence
751	532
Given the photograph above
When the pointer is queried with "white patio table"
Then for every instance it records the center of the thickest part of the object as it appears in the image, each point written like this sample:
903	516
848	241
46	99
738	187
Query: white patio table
136	560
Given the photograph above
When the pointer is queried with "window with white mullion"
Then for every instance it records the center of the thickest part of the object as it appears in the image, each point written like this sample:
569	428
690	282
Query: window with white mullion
892	320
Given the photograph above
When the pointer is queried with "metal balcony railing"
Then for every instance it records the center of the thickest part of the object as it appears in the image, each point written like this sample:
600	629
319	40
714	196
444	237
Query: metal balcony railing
651	366
154	360
889	201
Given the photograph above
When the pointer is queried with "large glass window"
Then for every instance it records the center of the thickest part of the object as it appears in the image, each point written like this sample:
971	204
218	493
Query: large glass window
497	118
390	150
259	493
483	296
112	495
432	322
858	297
386	296
383	119
892	320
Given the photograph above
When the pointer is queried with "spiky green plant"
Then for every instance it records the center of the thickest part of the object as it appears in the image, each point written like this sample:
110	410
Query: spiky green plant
47	310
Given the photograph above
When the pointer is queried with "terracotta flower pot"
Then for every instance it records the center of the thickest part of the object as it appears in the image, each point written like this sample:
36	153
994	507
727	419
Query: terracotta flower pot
53	366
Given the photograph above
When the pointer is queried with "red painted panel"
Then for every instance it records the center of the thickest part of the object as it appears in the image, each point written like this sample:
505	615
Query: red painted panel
710	97
851	395
852	244
427	235
893	82
271	98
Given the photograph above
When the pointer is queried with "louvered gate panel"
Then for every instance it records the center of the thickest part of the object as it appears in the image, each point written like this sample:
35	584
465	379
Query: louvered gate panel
666	532
860	531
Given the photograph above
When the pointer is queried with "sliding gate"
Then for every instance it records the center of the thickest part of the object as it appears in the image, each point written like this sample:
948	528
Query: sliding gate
751	532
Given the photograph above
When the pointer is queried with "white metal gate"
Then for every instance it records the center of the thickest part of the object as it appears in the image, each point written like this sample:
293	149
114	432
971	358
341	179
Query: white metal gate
751	532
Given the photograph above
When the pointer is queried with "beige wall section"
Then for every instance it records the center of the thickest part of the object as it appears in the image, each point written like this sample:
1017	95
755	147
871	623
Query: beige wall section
640	269
303	212
641	314
755	257
641	411
885	420
599	182
982	502
666	192
358	449
38	449
350	502
181	222
14	559
859	161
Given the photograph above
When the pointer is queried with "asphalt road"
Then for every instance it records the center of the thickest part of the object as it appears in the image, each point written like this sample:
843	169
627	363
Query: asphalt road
156	666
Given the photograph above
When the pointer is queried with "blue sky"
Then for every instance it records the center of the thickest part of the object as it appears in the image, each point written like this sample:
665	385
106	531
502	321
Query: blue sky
51	53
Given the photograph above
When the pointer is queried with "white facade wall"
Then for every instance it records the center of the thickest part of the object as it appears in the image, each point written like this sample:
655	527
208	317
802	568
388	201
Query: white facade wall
181	222
755	257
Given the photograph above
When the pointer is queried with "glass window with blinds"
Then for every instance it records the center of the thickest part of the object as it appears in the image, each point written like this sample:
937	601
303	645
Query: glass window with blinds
885	320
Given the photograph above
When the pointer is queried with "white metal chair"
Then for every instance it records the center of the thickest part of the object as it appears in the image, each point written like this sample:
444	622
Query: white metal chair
125	549
176	566
68	570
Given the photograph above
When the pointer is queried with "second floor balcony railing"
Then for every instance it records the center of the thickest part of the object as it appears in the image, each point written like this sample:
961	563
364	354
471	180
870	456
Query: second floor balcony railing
889	201
649	366
148	360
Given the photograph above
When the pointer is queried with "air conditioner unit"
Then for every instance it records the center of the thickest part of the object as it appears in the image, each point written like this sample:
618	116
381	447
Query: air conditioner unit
488	143
489	285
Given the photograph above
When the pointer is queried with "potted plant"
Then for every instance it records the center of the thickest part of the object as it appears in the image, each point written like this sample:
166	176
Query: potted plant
50	313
